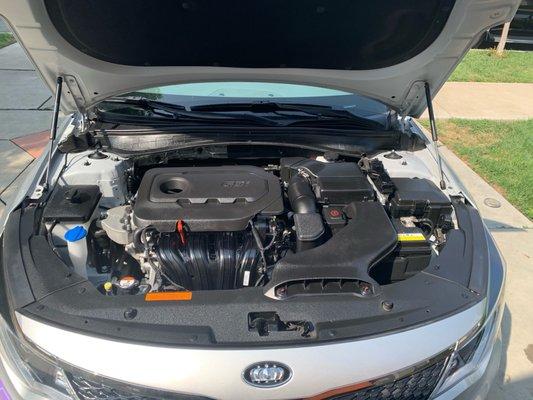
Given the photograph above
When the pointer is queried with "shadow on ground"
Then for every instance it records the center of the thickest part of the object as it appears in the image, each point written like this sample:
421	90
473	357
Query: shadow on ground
503	387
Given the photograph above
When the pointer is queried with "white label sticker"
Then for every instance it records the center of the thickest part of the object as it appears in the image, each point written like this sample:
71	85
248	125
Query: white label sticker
246	278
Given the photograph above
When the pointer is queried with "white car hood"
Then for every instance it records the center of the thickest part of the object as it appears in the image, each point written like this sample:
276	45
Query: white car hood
306	54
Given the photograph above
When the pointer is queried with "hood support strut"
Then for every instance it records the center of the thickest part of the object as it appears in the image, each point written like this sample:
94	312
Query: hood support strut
434	134
53	130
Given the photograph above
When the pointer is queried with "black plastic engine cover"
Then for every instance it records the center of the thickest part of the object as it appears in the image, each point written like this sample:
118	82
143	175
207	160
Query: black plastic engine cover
207	199
367	238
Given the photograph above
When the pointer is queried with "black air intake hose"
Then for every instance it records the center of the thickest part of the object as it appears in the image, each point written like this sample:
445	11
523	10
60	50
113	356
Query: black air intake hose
308	222
301	196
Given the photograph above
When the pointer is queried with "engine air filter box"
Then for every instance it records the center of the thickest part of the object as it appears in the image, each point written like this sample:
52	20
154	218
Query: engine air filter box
335	183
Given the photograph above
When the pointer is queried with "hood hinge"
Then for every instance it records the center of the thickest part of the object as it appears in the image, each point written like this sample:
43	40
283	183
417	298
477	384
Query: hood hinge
76	93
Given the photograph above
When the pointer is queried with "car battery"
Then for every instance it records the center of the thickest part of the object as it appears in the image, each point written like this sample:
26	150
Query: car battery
411	255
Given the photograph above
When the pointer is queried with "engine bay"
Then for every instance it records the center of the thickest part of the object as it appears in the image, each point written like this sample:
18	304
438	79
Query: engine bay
295	225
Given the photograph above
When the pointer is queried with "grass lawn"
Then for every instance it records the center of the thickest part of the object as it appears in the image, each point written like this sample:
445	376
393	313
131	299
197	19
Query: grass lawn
500	151
6	39
486	66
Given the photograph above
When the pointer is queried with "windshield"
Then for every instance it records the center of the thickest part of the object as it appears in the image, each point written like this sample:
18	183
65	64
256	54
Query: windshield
210	93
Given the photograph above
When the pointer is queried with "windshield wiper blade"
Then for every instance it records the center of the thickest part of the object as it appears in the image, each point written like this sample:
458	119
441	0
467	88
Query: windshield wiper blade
312	110
177	113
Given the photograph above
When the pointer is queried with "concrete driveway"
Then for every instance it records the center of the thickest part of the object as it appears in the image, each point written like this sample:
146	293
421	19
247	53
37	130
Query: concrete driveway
24	110
480	100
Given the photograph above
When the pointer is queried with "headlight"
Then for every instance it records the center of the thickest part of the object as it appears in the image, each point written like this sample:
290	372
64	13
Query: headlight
37	376
471	351
32	374
465	359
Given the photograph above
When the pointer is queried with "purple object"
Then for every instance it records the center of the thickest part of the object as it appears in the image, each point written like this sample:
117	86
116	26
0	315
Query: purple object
4	395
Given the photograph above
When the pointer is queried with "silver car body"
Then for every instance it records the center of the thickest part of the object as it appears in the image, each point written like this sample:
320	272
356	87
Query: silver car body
317	369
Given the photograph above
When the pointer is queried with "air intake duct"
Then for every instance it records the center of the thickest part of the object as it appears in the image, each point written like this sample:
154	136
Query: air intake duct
308	222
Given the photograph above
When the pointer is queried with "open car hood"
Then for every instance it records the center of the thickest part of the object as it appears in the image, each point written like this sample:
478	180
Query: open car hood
385	49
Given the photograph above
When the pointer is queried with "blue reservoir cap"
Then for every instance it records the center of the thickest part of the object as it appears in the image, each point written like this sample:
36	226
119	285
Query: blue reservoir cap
75	234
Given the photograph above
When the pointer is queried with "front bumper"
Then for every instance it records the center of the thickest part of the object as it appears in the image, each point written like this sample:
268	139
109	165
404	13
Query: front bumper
307	382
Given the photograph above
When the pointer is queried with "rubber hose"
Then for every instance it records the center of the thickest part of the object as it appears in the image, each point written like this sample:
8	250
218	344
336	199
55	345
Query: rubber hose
301	195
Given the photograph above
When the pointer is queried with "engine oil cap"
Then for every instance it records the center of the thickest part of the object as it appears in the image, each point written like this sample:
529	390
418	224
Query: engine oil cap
127	282
75	234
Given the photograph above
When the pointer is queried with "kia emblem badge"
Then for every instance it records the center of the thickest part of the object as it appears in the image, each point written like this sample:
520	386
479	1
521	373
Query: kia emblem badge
267	374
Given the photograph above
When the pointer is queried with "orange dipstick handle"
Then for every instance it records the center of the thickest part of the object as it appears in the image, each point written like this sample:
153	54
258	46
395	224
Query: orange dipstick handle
180	227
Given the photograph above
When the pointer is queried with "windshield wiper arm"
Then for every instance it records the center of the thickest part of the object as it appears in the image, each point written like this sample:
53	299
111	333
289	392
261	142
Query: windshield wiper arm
317	111
146	104
178	113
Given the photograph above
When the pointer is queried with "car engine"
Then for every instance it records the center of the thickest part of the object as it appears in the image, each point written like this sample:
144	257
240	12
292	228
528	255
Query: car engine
301	225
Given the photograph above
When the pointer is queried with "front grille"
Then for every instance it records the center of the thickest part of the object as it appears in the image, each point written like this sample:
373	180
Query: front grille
87	389
417	386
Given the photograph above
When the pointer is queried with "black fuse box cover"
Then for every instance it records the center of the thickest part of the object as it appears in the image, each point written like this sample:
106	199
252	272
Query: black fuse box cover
420	198
72	203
